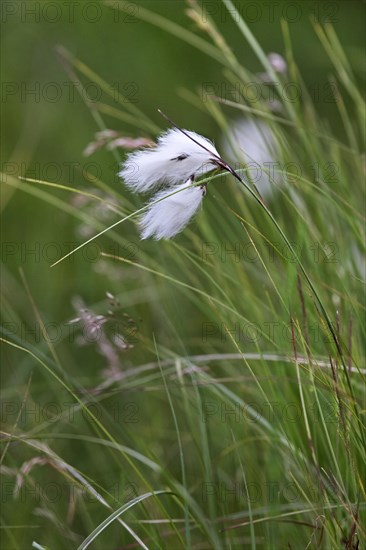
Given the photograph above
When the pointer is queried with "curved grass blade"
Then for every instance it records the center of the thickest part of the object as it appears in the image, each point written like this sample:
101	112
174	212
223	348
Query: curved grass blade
117	514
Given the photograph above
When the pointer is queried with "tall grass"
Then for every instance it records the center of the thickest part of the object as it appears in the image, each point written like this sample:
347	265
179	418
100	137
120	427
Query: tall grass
237	420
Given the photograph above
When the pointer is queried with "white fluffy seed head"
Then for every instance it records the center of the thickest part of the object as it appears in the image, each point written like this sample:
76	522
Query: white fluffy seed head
173	160
169	216
252	142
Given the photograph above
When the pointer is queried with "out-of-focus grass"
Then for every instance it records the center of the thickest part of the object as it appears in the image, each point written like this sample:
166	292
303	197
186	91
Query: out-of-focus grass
237	417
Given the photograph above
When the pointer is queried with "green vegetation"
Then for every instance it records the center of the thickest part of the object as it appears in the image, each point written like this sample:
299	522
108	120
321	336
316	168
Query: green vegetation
209	391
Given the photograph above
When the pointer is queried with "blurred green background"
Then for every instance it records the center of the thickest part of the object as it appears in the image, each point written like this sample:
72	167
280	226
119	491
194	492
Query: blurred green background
45	132
46	126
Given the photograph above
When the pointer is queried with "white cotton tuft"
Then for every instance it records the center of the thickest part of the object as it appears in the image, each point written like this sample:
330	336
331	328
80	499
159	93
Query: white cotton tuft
252	141
168	217
174	159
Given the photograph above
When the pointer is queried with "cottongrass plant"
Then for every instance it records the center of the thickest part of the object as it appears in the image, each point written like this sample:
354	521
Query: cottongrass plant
237	420
169	213
251	142
179	154
178	159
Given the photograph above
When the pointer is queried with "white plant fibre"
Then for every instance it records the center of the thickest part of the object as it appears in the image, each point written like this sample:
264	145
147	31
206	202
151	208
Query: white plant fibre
254	145
173	160
169	216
